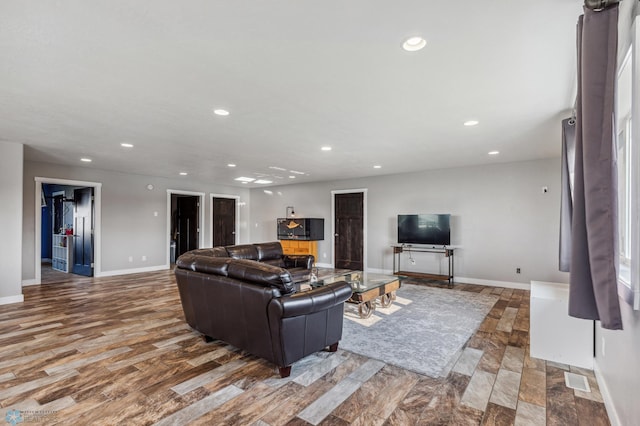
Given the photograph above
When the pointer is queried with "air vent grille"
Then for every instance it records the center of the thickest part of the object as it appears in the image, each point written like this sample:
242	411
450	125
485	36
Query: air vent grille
577	382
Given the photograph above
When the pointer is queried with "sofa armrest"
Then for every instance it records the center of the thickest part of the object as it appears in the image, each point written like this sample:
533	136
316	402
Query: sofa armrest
298	261
308	302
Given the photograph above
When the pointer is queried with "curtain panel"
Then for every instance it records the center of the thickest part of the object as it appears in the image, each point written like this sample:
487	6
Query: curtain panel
566	199
593	290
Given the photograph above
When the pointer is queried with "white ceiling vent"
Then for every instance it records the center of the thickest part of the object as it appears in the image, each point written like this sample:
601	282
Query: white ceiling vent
577	382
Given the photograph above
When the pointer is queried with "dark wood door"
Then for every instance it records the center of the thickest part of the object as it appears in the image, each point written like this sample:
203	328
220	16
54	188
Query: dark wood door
83	232
224	222
187	219
349	231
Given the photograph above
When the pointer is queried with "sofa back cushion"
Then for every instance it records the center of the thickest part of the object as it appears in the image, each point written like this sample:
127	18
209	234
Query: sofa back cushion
269	251
205	264
261	274
244	251
212	252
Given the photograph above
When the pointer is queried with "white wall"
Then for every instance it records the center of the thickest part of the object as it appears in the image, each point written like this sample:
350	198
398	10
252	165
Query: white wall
618	352
11	156
501	220
129	226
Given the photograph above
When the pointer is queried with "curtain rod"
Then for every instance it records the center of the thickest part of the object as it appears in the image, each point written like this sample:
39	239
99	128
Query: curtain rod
599	4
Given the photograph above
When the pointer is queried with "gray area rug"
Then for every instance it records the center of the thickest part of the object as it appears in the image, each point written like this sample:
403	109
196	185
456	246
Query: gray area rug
423	330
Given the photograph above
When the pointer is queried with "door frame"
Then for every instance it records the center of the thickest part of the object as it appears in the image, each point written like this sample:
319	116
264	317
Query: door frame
364	224
97	224
237	227
200	219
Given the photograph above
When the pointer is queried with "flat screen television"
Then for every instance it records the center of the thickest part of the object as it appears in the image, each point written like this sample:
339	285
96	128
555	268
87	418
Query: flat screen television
429	229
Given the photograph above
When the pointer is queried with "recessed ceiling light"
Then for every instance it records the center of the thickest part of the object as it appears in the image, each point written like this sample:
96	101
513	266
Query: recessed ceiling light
244	179
183	173
471	123
86	160
231	165
266	191
295	172
377	166
222	112
494	152
263	181
413	44
292	177
277	168
326	148
126	145
244	183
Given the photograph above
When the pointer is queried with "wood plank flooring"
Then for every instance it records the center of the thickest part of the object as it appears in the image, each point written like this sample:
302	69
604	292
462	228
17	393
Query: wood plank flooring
111	351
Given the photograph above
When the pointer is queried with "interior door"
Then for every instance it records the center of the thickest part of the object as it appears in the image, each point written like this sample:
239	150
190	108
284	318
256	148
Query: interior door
349	231
83	232
187	219
224	222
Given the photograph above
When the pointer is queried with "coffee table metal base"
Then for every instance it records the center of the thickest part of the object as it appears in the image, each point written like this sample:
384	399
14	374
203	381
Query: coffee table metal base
366	300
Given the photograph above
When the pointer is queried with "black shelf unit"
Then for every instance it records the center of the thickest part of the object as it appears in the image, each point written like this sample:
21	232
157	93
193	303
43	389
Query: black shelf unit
306	229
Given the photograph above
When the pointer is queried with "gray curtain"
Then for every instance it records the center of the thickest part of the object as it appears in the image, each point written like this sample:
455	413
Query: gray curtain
593	290
566	198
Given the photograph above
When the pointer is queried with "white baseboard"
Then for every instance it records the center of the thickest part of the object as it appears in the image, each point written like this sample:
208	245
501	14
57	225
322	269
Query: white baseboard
32	281
606	396
18	298
132	271
492	283
477	281
324	265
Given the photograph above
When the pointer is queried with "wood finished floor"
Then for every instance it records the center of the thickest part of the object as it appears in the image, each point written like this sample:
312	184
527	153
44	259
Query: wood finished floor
116	350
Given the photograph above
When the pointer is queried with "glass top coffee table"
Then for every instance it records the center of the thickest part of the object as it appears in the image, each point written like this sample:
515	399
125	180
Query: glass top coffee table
366	288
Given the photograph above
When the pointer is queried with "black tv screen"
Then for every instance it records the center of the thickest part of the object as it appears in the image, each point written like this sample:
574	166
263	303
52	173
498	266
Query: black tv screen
430	229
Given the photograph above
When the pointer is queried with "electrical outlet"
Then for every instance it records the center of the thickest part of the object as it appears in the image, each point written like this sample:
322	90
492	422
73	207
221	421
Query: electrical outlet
144	258
603	347
130	258
413	262
545	189
517	270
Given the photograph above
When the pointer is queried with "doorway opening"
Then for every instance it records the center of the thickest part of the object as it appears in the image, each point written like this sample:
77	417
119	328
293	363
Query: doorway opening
185	211
349	228
67	231
225	223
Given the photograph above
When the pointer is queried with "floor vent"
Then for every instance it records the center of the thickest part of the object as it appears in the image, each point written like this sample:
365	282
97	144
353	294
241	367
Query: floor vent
577	382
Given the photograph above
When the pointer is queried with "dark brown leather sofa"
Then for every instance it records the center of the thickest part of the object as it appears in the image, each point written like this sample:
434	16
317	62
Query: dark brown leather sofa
254	306
270	253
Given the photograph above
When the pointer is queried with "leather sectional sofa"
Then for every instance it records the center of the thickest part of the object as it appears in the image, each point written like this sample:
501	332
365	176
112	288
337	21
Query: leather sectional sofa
254	306
299	266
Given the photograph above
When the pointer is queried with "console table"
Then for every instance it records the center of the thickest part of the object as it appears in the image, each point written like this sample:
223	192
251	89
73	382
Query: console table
447	252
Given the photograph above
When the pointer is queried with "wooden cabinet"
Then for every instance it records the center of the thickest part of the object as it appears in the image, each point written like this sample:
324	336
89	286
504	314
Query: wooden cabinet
300	235
300	247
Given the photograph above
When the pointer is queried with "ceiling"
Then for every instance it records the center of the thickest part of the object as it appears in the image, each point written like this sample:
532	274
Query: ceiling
79	78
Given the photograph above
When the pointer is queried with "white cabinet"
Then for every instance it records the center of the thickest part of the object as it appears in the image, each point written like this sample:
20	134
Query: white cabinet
555	336
61	252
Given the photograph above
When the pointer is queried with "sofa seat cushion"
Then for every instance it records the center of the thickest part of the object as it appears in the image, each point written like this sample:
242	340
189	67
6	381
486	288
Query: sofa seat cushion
299	274
262	274
274	262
